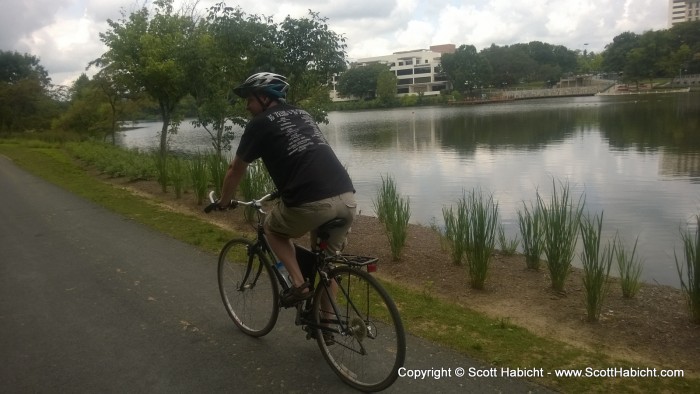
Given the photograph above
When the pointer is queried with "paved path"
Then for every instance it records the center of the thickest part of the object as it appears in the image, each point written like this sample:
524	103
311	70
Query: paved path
92	302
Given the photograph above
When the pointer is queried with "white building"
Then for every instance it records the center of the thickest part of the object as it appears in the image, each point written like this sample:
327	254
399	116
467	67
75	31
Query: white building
416	71
683	11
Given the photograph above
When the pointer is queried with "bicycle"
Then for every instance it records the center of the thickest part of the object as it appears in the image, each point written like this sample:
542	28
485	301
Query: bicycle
352	317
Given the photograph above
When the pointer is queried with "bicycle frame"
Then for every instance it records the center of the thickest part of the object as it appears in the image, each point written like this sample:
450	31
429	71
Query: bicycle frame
337	316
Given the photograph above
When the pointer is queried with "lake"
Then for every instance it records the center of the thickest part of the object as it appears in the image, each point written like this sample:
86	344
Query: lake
636	158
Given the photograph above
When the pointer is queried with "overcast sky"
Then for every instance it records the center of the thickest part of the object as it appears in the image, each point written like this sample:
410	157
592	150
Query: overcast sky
64	34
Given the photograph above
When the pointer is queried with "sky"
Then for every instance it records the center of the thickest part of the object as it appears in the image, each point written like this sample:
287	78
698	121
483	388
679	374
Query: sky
64	34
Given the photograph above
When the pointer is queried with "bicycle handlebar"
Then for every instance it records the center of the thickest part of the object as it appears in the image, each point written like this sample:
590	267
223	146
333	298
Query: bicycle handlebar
214	205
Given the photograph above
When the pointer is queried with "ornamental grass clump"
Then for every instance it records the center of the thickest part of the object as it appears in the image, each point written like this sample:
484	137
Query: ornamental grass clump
161	163
561	218
629	266
690	277
199	176
508	246
482	219
456	229
394	211
217	169
531	226
257	181
177	175
596	265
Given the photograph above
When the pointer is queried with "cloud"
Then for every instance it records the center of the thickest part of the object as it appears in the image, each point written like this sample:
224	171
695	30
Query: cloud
64	34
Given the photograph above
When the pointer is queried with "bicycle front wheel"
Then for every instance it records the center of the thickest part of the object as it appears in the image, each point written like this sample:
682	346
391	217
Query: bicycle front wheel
248	288
364	341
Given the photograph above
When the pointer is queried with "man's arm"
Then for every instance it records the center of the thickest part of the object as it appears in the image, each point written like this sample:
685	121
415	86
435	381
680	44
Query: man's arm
236	171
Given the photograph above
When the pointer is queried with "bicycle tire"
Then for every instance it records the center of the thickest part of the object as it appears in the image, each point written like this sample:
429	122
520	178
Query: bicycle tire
377	331
248	288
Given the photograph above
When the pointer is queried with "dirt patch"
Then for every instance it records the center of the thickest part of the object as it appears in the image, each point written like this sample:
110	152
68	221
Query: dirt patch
653	328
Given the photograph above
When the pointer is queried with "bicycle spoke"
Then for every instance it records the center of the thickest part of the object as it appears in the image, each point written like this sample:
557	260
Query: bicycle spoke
370	344
248	289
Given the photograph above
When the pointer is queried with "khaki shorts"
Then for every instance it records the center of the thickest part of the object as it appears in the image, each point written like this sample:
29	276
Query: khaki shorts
293	222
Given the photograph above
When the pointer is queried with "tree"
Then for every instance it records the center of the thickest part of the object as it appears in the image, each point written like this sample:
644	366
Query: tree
466	69
25	103
615	53
310	54
151	54
230	43
361	80
386	87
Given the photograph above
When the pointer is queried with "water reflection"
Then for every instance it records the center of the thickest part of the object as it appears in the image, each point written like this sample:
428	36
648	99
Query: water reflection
637	158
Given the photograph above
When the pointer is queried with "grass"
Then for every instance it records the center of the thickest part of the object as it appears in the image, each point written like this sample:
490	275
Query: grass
561	218
394	211
455	229
482	220
690	277
488	340
532	231
508	246
596	265
629	266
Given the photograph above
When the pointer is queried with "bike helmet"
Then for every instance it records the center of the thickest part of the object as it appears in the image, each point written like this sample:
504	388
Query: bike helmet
270	84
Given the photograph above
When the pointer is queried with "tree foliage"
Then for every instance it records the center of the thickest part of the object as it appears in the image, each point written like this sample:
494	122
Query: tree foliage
151	53
361	81
25	95
466	68
663	53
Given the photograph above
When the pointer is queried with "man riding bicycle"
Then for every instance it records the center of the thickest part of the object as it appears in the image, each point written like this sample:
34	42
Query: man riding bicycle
314	186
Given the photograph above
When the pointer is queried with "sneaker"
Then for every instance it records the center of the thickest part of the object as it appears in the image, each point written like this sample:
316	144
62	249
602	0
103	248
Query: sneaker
295	295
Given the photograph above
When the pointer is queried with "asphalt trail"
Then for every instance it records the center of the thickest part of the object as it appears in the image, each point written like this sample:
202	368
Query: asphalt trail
93	302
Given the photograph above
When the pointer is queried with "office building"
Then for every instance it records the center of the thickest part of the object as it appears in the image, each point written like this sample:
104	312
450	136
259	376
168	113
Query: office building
416	71
683	11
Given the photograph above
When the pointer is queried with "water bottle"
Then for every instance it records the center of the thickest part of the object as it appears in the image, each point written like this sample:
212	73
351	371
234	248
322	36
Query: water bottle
283	271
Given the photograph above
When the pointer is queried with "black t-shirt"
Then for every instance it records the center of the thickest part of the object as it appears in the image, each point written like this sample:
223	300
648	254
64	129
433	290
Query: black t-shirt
302	165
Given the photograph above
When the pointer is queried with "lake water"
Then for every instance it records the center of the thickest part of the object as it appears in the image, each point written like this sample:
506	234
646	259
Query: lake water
636	158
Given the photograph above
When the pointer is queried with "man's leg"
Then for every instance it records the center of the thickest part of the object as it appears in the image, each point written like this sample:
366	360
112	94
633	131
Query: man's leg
284	250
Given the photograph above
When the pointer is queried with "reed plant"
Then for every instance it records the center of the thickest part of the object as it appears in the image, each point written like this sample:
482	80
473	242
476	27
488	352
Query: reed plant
561	219
482	219
199	176
160	161
394	211
596	265
177	175
257	181
508	246
455	229
532	232
690	277
218	165
629	266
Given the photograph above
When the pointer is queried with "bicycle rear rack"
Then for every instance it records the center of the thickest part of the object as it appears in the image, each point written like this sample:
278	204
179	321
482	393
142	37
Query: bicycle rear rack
357	261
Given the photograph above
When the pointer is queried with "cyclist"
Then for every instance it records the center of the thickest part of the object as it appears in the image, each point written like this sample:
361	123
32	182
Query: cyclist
314	186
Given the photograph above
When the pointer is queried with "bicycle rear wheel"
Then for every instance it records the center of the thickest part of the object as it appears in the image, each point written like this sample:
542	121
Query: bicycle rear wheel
369	344
248	288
